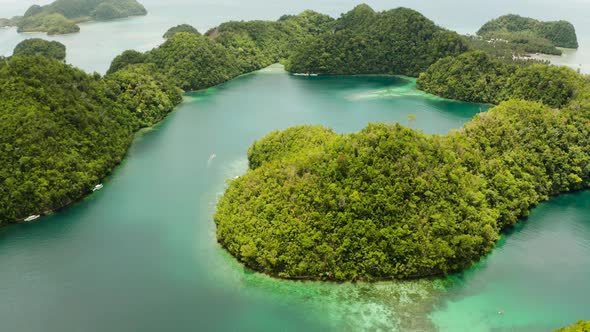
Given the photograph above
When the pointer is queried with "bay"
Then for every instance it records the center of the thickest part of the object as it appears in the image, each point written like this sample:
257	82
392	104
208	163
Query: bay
141	254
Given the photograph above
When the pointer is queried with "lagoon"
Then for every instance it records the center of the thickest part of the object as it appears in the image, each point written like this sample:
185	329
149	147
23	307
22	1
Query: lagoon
141	254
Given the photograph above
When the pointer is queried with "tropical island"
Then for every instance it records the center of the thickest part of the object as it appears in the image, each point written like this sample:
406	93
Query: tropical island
526	35
386	203
393	203
180	28
62	16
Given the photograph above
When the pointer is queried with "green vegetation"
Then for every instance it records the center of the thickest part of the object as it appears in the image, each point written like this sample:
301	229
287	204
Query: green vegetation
60	135
523	42
37	46
505	51
9	22
61	16
180	28
512	28
265	42
479	77
193	61
399	41
581	326
128	57
53	24
393	203
144	92
62	130
385	203
371	205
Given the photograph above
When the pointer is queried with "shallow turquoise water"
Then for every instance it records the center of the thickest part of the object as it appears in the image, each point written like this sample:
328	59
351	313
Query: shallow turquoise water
141	255
537	275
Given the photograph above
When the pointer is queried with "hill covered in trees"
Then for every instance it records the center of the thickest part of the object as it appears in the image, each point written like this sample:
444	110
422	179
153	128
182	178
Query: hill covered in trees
38	46
362	41
193	61
62	16
541	36
479	77
180	28
387	202
393	203
62	130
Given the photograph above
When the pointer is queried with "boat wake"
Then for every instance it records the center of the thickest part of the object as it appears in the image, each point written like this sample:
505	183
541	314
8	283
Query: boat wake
211	158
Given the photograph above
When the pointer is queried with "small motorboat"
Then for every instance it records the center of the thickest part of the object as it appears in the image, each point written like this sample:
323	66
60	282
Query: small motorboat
33	217
97	187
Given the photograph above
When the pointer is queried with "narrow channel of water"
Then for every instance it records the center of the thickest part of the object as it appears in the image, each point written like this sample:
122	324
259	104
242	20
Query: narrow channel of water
141	253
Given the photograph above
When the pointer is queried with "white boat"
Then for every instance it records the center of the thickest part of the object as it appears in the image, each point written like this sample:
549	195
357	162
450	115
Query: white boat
33	217
301	74
313	75
98	187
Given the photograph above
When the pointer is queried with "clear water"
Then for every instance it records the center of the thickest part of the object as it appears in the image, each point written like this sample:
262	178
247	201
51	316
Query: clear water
141	255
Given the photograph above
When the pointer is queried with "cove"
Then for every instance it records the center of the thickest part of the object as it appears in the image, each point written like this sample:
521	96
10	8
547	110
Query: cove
141	254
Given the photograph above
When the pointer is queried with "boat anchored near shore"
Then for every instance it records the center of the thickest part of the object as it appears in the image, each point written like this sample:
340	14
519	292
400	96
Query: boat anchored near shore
305	74
97	187
33	217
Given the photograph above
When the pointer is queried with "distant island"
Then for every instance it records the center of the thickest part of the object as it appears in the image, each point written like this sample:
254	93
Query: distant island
180	28
529	35
62	16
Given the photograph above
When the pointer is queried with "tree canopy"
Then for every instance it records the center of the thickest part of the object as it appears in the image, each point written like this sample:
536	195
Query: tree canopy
398	41
393	203
62	130
38	46
180	28
557	33
479	77
193	61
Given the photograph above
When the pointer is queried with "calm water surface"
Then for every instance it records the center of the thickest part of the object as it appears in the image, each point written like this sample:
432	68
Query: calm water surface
141	255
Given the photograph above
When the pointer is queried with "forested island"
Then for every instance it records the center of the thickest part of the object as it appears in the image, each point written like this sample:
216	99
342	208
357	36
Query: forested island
393	203
525	35
385	203
62	16
62	130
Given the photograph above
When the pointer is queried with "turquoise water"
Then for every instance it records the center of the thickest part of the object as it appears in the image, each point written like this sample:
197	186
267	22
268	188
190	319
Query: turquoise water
141	255
537	275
